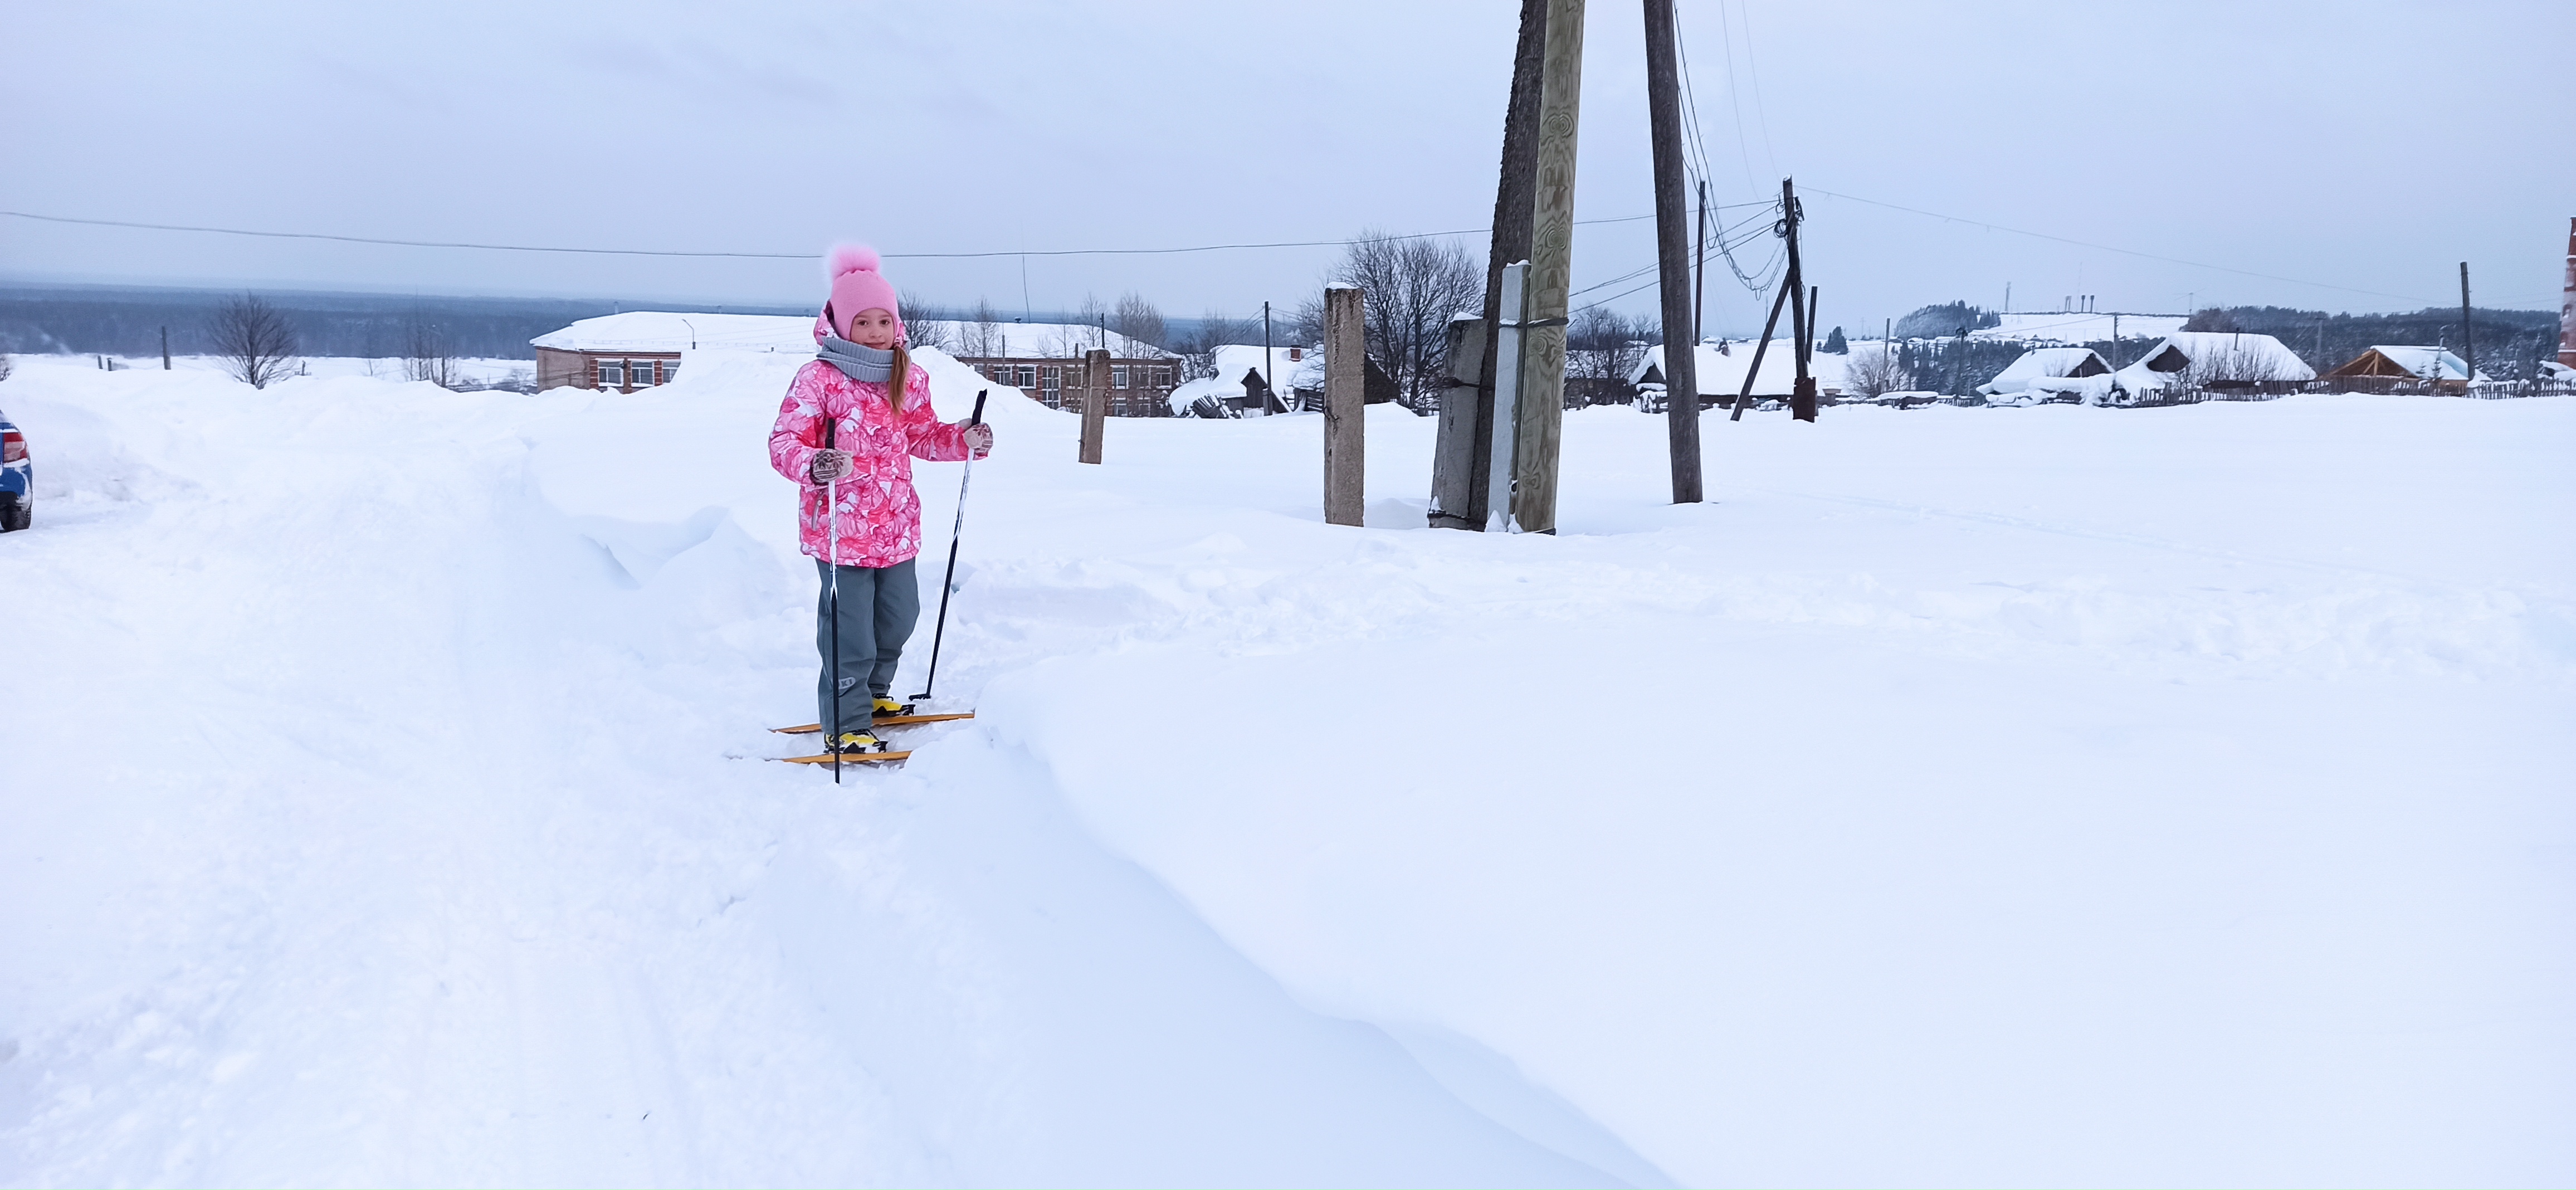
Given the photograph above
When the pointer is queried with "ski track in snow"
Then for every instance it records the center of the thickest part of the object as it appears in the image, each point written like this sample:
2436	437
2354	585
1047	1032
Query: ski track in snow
2049	795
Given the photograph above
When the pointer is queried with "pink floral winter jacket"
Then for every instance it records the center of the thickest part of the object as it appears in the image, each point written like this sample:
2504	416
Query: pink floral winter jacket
880	515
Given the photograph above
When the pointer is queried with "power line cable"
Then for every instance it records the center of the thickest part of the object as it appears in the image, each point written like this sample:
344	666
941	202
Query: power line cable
345	239
1753	72
2041	235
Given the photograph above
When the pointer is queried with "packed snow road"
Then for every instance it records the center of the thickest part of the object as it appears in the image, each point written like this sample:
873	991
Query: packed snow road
2054	795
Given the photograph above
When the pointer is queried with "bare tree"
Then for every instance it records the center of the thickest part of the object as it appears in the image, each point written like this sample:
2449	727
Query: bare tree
1216	329
1138	319
254	340
1409	289
2232	366
428	354
1875	370
924	324
981	334
5	365
1602	348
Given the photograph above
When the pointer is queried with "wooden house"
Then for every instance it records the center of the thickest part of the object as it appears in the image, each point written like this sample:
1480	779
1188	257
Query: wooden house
2393	368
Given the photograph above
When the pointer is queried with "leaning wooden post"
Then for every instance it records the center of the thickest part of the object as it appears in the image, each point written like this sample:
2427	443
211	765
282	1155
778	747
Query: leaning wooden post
1095	402
1542	396
1345	411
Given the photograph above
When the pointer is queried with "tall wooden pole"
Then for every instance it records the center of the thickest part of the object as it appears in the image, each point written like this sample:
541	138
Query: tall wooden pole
1672	252
1802	392
1699	272
1345	396
2468	342
1509	243
1542	405
1095	402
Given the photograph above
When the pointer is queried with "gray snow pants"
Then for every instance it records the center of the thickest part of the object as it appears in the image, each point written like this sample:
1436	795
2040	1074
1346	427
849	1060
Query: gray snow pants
878	608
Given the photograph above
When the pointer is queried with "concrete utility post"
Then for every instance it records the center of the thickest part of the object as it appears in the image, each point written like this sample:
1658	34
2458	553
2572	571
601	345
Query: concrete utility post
1542	396
1345	408
1672	244
1095	402
1507	388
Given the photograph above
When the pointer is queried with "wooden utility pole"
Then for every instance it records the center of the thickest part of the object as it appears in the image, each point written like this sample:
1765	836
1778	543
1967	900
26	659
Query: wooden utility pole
1467	506
1345	408
1672	251
1699	272
2468	342
1541	415
1802	397
1095	402
1267	372
1802	313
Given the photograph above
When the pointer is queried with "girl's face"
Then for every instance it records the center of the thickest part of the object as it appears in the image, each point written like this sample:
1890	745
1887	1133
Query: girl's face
872	327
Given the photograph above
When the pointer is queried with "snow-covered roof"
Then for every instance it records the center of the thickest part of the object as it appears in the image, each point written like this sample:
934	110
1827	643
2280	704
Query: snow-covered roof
2237	356
1030	340
2046	363
1232	360
2078	328
654	330
1721	368
2428	363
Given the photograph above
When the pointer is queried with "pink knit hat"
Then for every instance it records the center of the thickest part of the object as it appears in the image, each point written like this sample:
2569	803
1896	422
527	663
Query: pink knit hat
856	286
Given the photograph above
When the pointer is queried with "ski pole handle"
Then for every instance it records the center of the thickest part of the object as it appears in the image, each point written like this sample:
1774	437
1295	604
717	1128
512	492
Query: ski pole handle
978	418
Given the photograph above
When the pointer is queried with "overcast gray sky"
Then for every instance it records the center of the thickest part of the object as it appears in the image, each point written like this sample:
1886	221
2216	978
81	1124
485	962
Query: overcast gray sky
2366	146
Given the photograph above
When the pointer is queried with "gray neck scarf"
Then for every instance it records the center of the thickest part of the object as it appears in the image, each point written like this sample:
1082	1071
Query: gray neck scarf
856	361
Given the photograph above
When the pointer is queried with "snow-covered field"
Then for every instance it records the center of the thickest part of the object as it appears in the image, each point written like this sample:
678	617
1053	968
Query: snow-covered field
477	369
2062	795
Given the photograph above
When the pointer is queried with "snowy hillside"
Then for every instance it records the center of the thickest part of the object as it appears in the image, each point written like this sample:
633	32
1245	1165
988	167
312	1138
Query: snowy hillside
2058	796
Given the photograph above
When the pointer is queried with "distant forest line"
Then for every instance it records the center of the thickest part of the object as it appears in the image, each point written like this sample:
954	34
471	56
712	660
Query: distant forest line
96	320
90	320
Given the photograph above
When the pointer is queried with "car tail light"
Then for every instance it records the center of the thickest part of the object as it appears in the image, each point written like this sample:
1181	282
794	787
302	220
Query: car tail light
13	446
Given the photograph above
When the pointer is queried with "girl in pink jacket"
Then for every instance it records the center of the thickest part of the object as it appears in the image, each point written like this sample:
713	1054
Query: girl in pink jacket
852	421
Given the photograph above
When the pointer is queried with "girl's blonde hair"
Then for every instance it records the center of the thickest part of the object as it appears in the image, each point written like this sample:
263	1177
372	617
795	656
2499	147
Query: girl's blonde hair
901	376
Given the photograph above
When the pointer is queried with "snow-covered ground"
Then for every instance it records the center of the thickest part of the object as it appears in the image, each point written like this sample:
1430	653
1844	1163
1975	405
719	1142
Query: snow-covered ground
477	369
2067	796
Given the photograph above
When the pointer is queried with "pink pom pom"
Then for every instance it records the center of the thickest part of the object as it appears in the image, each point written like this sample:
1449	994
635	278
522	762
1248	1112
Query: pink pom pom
852	258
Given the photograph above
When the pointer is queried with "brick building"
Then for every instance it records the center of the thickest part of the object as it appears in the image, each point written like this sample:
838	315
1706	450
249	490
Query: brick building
641	348
1045	361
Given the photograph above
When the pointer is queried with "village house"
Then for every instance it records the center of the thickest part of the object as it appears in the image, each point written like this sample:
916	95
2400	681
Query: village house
1045	361
2389	368
1721	367
642	348
1243	383
2222	361
2044	374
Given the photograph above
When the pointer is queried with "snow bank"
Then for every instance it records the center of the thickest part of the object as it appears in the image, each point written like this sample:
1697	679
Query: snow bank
2086	796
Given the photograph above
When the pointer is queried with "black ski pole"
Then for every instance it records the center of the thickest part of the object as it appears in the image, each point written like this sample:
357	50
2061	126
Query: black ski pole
954	536
832	601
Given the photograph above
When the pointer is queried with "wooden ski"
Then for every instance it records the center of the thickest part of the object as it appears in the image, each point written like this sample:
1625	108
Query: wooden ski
847	758
881	721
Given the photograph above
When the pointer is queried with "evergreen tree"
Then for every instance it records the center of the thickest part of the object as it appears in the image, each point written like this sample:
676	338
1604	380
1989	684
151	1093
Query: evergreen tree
1835	344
